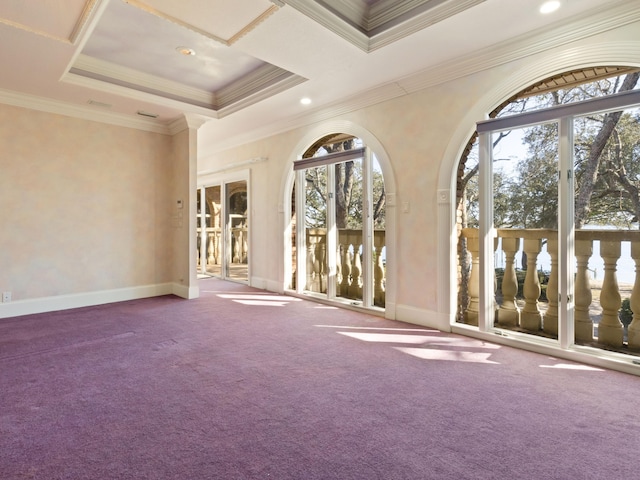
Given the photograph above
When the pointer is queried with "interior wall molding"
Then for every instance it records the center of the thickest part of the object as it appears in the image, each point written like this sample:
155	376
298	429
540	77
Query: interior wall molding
86	66
525	45
380	34
76	111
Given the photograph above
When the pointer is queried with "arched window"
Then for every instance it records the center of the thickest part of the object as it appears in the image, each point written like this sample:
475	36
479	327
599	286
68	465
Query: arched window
570	160
338	214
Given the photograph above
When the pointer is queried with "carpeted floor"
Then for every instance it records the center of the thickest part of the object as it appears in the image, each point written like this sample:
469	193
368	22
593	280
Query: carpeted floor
243	384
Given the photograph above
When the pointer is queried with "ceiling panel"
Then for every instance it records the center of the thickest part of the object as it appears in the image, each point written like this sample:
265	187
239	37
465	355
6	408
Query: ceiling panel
222	18
46	17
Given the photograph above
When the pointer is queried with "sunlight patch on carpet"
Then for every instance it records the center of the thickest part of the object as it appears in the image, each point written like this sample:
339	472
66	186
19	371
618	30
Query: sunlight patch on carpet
448	355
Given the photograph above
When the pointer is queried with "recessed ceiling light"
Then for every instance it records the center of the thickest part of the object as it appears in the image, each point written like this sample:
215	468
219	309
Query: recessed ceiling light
551	6
305	101
186	51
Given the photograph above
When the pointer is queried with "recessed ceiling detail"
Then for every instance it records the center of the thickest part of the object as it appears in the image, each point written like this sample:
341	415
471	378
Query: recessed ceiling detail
134	49
38	21
371	24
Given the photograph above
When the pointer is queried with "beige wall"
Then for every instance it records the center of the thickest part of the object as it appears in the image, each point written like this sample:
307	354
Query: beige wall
85	205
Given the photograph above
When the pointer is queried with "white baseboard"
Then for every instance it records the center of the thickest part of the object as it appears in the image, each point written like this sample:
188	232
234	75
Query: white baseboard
76	300
274	286
425	318
258	282
185	291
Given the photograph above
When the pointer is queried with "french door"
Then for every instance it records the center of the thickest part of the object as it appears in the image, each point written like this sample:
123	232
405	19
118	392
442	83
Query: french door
541	228
341	247
223	229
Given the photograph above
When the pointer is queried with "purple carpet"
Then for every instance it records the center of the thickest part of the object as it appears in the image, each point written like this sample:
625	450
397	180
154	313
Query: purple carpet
243	384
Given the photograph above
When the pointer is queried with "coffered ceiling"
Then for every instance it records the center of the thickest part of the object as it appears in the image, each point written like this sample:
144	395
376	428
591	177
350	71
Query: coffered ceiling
244	65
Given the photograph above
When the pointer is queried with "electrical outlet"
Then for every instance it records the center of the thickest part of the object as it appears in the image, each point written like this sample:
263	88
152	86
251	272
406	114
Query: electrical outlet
6	297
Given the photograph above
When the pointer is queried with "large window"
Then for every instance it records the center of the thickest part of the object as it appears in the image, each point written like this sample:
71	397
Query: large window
551	237
339	201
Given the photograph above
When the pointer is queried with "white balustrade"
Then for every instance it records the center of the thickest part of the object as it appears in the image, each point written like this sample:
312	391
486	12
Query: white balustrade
531	316
349	278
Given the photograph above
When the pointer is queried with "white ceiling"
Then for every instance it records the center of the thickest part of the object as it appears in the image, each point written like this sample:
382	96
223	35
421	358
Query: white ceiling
254	59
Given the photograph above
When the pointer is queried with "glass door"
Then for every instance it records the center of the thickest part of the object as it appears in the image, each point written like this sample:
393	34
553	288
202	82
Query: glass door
525	222
209	232
223	230
567	214
236	265
340	201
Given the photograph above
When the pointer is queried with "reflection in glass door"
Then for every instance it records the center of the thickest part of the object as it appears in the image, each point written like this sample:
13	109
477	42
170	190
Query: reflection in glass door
209	231
236	231
223	231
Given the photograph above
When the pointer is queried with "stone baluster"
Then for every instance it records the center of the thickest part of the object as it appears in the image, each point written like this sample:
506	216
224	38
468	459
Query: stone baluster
508	312
235	258
356	283
472	312
322	265
583	298
378	272
245	247
311	261
339	256
210	249
633	331
198	250
218	260
346	269
610	329
550	318
530	317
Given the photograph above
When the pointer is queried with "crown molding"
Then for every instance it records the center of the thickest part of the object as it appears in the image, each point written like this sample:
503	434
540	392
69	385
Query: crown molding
94	68
525	45
285	82
42	104
381	35
187	121
331	22
257	85
263	82
420	21
127	92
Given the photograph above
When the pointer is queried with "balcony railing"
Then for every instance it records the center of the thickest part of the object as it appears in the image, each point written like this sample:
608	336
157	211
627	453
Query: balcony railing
528	313
212	243
349	278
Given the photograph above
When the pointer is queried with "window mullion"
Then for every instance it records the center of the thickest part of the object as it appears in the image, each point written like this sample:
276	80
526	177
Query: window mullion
566	235
332	231
486	234
367	229
301	229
